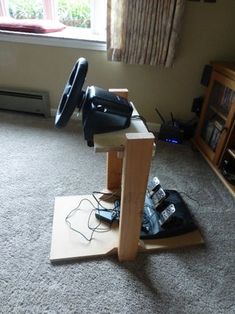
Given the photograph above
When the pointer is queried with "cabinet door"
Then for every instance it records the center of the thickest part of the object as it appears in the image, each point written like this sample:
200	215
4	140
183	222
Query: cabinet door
216	116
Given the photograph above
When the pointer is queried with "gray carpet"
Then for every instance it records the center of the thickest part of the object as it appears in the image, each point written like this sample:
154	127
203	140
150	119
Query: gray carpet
38	163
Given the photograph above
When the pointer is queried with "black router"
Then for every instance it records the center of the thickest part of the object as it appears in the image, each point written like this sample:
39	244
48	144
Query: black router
170	131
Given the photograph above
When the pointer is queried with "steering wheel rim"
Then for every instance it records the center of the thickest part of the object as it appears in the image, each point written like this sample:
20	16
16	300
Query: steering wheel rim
72	95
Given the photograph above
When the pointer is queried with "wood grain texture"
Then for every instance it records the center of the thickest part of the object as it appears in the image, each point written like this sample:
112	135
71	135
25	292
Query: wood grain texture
136	166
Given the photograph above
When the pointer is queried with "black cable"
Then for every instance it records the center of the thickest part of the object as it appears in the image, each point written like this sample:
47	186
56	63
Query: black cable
191	198
142	119
99	203
96	228
104	193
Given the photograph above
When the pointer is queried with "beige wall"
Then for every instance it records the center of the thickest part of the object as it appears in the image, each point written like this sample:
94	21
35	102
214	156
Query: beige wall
208	34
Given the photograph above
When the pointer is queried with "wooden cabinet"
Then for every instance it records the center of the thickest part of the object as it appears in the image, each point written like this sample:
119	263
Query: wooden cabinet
215	134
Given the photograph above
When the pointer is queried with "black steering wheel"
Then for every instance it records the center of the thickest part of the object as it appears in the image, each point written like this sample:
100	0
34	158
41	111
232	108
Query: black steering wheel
73	95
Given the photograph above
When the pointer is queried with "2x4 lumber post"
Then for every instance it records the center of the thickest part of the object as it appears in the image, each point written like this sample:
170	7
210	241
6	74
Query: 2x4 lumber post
136	166
113	161
114	171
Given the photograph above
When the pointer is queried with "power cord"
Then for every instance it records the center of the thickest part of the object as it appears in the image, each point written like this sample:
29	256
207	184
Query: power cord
72	212
134	117
99	204
99	207
191	198
109	196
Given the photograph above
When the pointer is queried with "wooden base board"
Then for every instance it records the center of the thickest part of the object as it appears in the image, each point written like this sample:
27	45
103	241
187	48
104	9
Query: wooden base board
188	239
67	244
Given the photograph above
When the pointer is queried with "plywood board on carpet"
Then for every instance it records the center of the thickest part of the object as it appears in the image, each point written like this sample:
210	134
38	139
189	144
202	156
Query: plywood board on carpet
67	244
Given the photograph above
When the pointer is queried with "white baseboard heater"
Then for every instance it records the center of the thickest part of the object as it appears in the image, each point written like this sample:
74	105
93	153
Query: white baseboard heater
24	100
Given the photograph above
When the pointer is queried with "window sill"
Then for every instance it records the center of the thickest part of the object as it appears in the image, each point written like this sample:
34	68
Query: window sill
66	38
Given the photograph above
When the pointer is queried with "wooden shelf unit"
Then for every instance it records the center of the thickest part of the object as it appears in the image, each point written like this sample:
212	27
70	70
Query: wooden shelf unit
215	134
220	114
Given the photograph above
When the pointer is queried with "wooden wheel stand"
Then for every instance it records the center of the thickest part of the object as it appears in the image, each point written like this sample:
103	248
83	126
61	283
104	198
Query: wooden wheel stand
129	154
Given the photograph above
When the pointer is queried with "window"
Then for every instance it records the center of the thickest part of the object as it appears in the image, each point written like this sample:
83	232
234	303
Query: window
84	19
25	9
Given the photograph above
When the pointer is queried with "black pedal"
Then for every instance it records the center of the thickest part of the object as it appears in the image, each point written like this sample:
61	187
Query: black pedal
149	218
172	218
166	215
156	192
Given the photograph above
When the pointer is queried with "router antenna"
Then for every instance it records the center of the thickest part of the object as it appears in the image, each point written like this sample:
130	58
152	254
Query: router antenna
172	119
161	117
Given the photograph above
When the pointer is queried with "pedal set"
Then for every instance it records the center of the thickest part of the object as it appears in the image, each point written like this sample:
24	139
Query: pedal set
165	213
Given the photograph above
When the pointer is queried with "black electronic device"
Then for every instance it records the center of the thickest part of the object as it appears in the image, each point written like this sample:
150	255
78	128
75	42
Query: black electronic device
206	75
165	213
228	169
102	111
188	127
169	219
170	131
197	105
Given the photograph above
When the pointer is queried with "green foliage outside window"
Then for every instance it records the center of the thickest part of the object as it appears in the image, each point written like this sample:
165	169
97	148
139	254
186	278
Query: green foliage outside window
75	13
26	9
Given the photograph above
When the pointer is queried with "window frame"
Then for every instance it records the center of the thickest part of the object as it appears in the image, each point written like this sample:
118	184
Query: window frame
85	39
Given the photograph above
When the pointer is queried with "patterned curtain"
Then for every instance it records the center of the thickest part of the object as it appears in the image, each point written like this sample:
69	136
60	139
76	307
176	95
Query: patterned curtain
143	31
